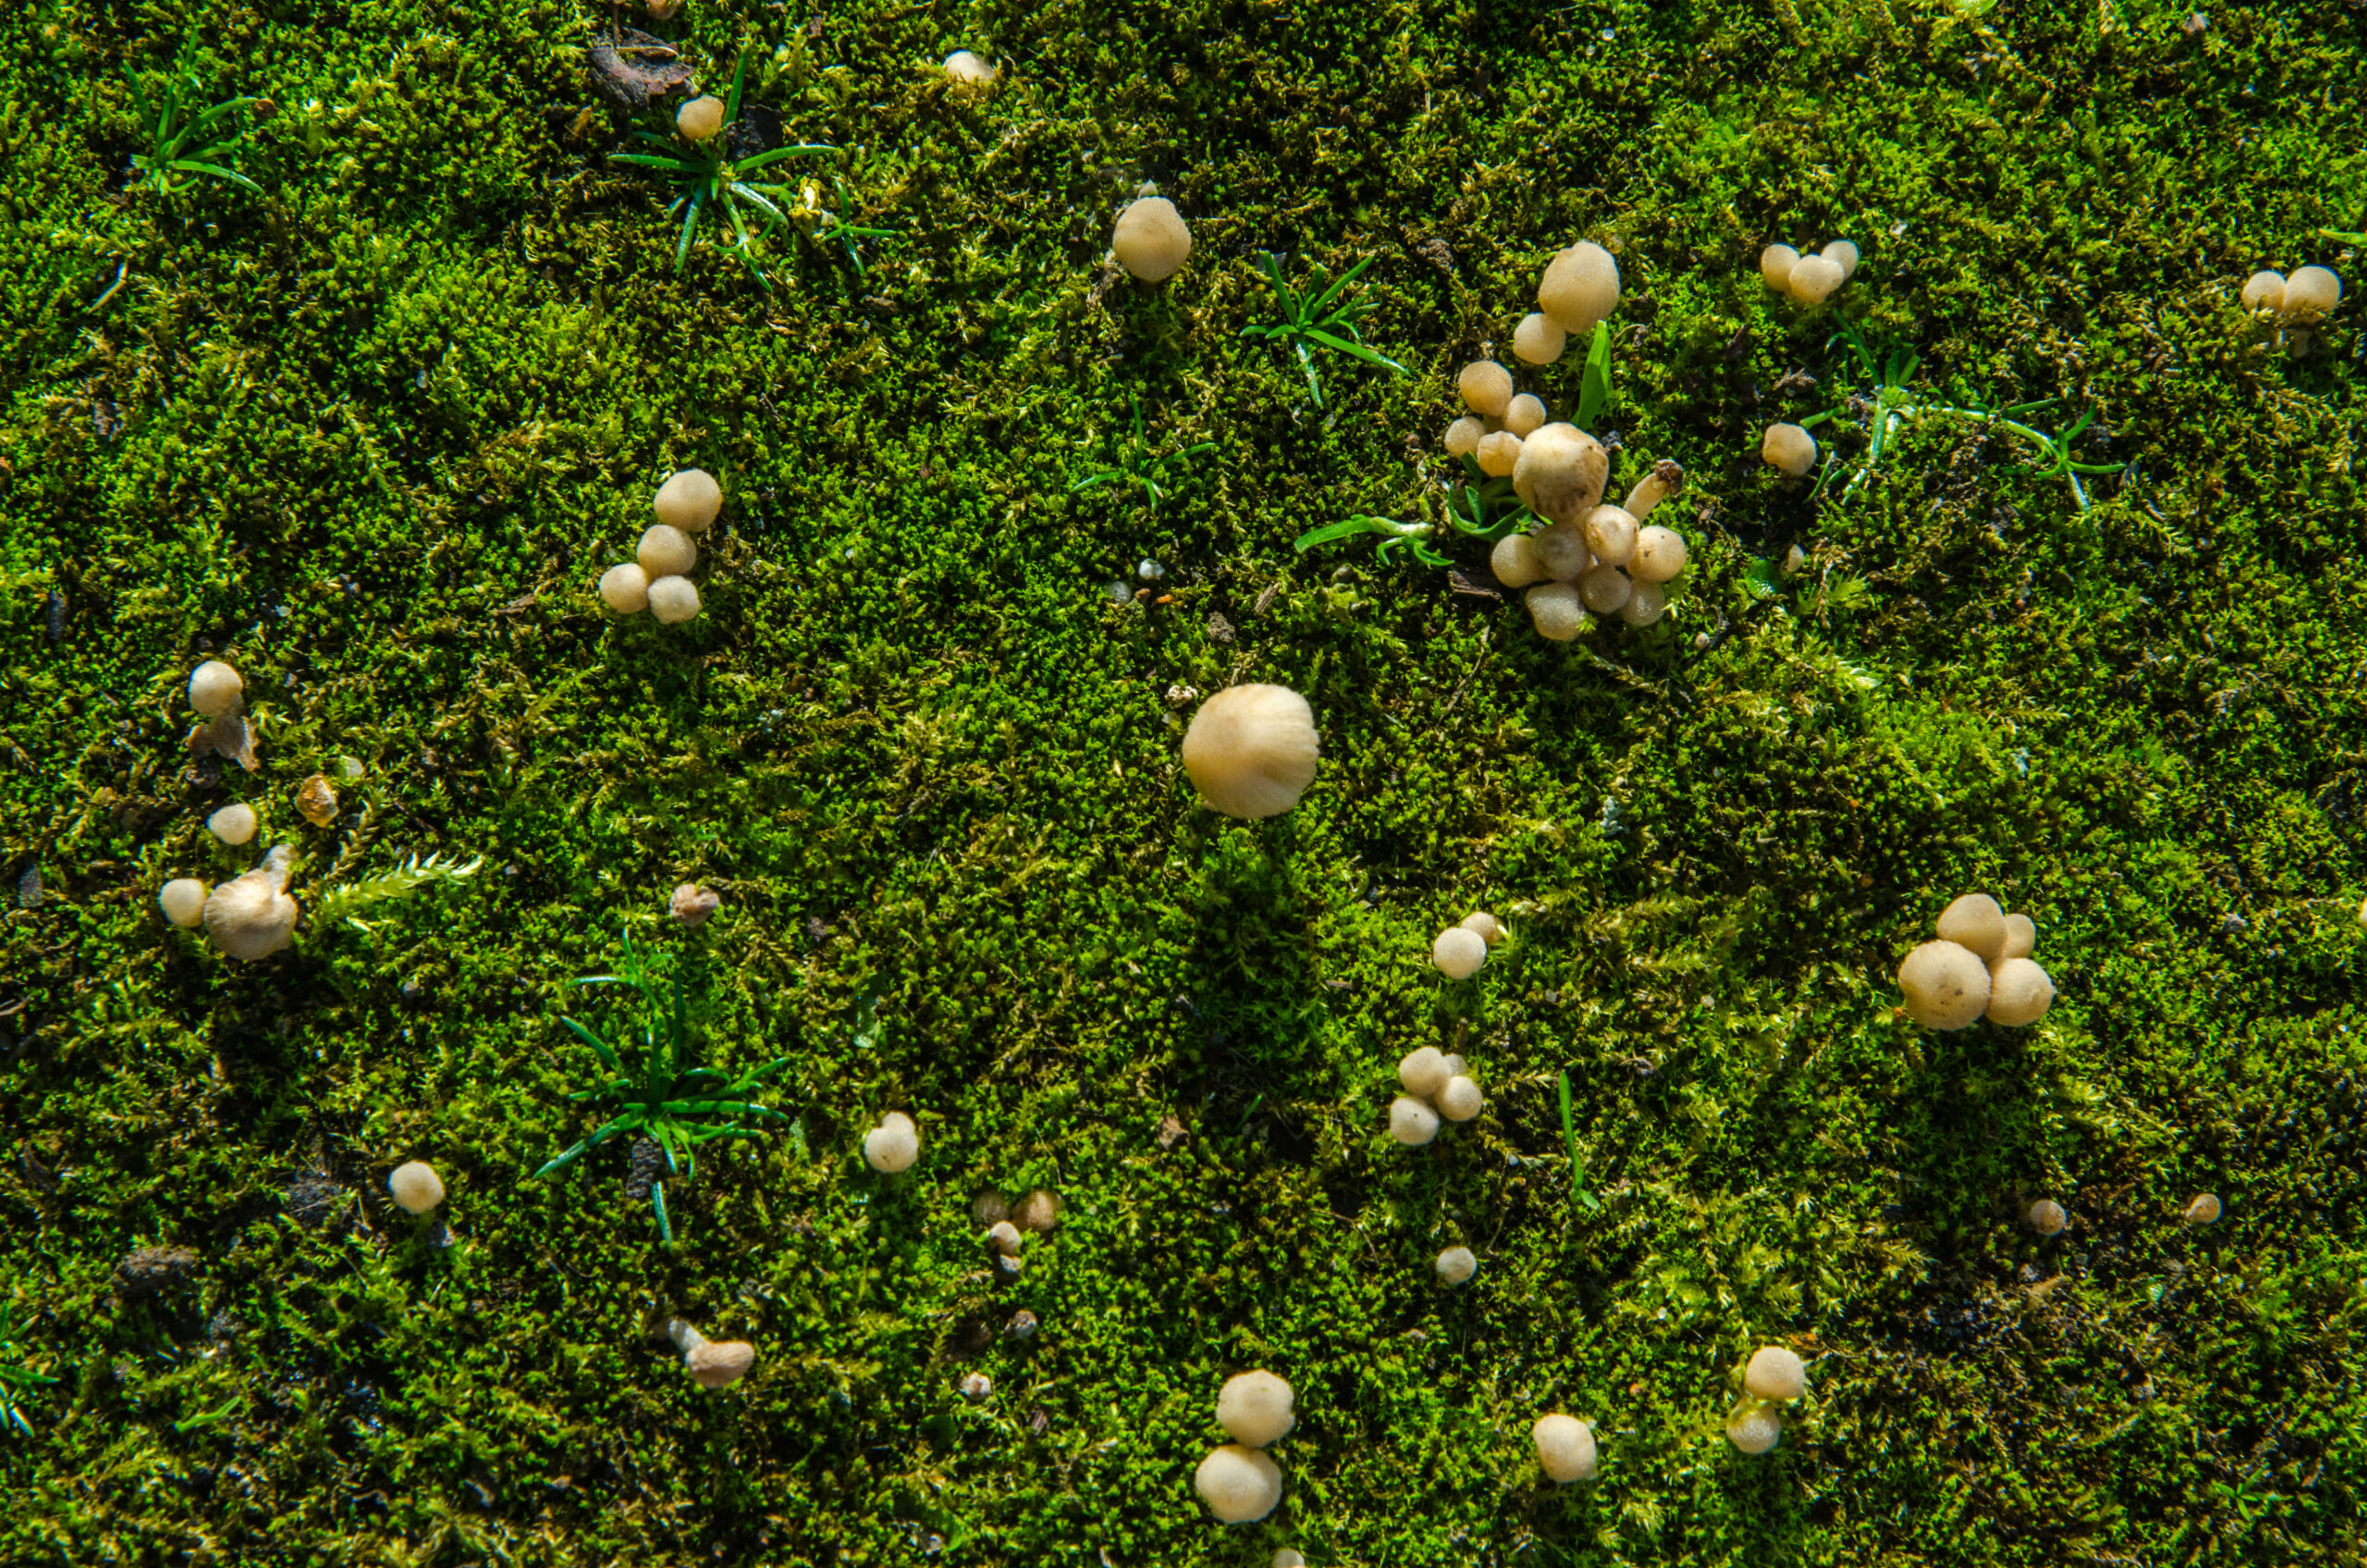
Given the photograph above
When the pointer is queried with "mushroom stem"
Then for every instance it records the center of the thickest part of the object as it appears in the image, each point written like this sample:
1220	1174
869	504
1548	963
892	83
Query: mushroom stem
1665	479
686	1339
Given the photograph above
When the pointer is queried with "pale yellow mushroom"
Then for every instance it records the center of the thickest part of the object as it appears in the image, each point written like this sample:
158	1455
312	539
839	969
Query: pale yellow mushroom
234	824
1660	555
1490	929
1580	288
1814	278
1775	1373
1561	473
216	689
1524	414
1604	589
1842	254
1975	922
1664	480
1461	1099
1647	601
415	1186
1788	448
2046	1217
1423	1072
1499	454
1254	1408
1411	1123
2021	937
892	1145
1945	985
689	500
252	917
968	68
1513	560
624	588
1538	340
1566	1450
1557	612
1462	437
673	600
2019	993
714	1363
1486	387
183	902
1562	551
1775	264
1239	1483
699	119
1456	1264
1459	954
2310	293
2203	1210
666	551
2264	291
1611	535
1251	750
1754	1430
1151	240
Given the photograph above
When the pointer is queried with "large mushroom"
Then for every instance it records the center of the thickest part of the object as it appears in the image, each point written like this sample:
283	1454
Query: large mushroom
1251	750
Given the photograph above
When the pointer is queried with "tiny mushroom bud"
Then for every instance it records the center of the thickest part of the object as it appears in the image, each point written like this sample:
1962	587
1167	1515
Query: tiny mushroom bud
2046	1217
2264	291
1239	1483
1459	954
1254	1408
1564	1448
673	599
216	689
1555	609
1461	1099
416	1187
1285	1558
1775	1373
1487	389
1538	340
1974	921
1462	437
893	1144
962	66
1647	601
1660	555
1490	929
1604	589
2203	1210
1456	1265
1499	454
1842	254
234	824
2019	993
2021	937
1411	1123
1814	278
1524	414
699	119
990	1209
1580	288
1004	1238
624	588
692	905
1611	535
976	1386
1514	562
1251	750
1789	448
1561	473
1423	1072
1021	1327
1665	479
1151	240
1562	551
666	551
252	916
2310	292
714	1363
689	500
1946	987
1775	264
183	902
1756	1429
1038	1211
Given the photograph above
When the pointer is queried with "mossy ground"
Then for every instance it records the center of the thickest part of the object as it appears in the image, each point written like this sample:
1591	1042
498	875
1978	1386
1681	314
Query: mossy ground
374	435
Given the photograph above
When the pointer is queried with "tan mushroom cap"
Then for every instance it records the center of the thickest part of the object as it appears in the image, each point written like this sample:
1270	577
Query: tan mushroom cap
1842	254
1775	264
183	902
719	1364
2019	993
1039	1211
963	65
415	1186
1647	601
1239	1483
1151	240
1611	535
1561	473
1513	560
216	689
234	824
1946	986
1251	750
1975	922
1754	1430
1566	1450
2310	292
1490	929
1457	1263
1663	480
1788	448
1580	288
1461	1099
1660	555
1499	454
666	551
1458	953
1423	1072
2046	1217
1814	278
892	1145
1486	387
252	916
1538	340
1775	1373
1604	589
1254	1408
1524	414
1411	1123
699	119
1555	609
689	500
673	600
1562	551
2203	1210
2264	291
624	588
1462	437
2021	937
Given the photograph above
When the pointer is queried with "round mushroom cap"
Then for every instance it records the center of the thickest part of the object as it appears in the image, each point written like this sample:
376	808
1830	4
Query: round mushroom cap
1499	454
2310	292
252	916
666	551
893	1144
1754	1430
1239	1483
1974	921
1660	555
1003	1236
1151	240
1946	987
183	902
415	1186
1842	254
1775	264
1456	1265
689	500
719	1364
1538	340
2019	993
1775	1373
2264	291
1462	437
624	588
1604	589
673	599
1490	929
1564	1448
1814	278
699	119
1561	473
691	905
234	824
1459	954
214	689
1251	750
1556	611
1038	1211
1514	562
976	1385
962	66
1255	1409
1562	551
1411	1123
1486	386
1789	447
2021	937
1454	1063
1461	1099
1524	414
1423	1072
1611	535
1647	601
2046	1217
2203	1210
1580	288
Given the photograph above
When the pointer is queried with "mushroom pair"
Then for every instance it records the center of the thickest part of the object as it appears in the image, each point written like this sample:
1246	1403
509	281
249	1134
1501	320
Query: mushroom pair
219	694
1579	289
248	917
1150	240
1980	967
2307	295
1774	1376
656	579
893	1144
1591	558
1808	280
1239	1481
1459	951
1436	1085
1251	750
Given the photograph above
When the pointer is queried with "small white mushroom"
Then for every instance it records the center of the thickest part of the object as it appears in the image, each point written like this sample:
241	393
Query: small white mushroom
1254	1408
2046	1217
1565	1449
1490	929
1647	601
1945	985
2310	293
692	905
1660	555
1524	414
415	1186
216	689
1560	474
1580	288
1513	560
1460	1100
1456	1265
1499	454
1756	1429
1486	386
2203	1210
673	599
183	902
893	1144
2264	291
1039	1211
1665	479
1562	551
1814	278
689	500
666	551
1462	437
699	119
1775	1373
1423	1072
965	67
715	1363
1151	240
234	824
1611	535
1604	589
1555	609
1975	922
1842	254
624	588
1411	1123
2019	993
252	916
1003	1237
1285	1558
1239	1483
1775	264
1538	340
976	1386
1788	448
1458	953
2021	937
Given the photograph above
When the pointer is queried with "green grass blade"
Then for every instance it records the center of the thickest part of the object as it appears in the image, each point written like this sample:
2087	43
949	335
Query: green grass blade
653	161
683	246
1570	1135
599	1046
1323	301
1594	386
778	153
190	165
1354	350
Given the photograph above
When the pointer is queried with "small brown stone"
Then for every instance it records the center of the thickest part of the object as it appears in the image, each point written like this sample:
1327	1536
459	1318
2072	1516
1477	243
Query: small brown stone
316	797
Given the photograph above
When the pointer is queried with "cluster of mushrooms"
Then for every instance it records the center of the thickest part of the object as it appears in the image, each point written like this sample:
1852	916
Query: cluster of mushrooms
1009	1224
1589	558
893	1144
1774	1377
1580	289
1239	1481
1980	967
1460	950
1436	1085
1807	279
657	577
251	916
2310	293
